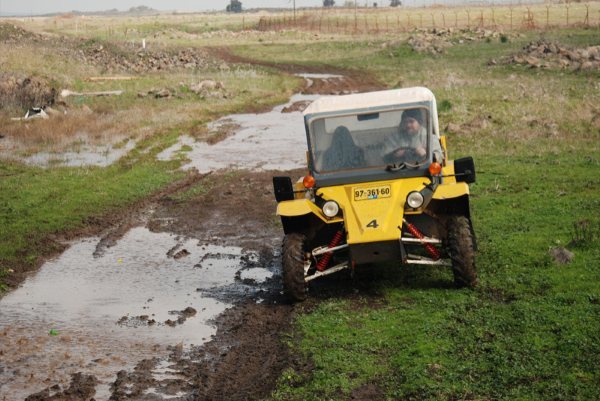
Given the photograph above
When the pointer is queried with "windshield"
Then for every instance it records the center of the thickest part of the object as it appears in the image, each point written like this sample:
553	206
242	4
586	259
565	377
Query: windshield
375	140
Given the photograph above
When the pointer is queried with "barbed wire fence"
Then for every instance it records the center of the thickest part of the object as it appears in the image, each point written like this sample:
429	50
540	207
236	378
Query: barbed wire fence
377	21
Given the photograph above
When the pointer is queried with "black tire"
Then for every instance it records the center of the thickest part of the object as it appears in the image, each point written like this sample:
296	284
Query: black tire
293	257
461	251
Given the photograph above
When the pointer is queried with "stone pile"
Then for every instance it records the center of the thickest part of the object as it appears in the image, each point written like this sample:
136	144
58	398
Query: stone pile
207	88
10	33
146	60
553	55
435	41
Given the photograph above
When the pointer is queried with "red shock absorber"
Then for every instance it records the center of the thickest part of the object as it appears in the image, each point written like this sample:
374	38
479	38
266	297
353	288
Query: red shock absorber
435	254
335	241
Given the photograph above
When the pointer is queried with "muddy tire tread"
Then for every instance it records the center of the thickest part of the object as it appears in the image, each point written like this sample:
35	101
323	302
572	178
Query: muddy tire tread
461	251
293	254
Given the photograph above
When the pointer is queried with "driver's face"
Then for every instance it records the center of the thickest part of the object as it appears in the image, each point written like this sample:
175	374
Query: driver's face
410	125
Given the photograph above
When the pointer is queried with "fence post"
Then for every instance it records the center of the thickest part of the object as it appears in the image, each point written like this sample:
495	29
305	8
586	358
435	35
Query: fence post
511	19
547	16
481	19
444	20
376	24
455	19
420	20
432	20
468	19
587	15
567	6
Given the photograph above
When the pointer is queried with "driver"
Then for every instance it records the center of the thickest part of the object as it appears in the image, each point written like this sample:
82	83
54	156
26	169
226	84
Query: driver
412	137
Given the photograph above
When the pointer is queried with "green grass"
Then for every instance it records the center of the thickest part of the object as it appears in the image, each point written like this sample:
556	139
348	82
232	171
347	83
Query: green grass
531	330
37	202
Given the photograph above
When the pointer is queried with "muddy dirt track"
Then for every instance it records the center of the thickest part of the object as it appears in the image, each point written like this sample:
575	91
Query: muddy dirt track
178	297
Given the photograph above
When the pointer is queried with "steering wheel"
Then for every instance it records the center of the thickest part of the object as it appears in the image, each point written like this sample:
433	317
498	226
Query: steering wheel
410	154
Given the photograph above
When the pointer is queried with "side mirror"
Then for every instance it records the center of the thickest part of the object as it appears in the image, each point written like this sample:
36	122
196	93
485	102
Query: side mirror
464	170
283	188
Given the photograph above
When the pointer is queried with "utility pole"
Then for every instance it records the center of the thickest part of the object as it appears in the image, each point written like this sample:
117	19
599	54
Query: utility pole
294	12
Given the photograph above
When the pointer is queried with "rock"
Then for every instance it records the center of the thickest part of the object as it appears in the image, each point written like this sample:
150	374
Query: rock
552	55
188	312
52	112
561	255
207	84
451	127
182	253
163	93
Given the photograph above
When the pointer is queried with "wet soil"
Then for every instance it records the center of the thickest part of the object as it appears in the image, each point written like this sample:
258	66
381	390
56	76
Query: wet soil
211	239
354	80
156	280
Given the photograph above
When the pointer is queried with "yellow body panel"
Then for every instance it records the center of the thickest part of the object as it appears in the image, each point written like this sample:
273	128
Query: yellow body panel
302	207
450	188
373	220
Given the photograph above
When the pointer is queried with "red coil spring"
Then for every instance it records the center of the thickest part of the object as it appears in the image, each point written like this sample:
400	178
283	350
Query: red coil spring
337	238
435	254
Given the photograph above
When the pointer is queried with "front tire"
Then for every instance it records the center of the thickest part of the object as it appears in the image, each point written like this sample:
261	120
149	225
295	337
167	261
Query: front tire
293	259
461	251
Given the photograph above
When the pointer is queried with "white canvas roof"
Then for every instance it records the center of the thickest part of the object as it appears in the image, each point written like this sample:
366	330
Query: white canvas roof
326	104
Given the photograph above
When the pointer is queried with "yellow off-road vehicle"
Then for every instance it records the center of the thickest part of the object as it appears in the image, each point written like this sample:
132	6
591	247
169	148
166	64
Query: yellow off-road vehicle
380	187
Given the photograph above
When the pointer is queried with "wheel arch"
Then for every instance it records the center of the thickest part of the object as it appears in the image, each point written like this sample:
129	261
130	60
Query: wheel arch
459	206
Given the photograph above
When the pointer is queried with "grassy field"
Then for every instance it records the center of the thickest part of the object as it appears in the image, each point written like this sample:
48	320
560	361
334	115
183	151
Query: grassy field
531	330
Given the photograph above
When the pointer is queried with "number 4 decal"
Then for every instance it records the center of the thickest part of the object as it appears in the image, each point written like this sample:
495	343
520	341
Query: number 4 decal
373	224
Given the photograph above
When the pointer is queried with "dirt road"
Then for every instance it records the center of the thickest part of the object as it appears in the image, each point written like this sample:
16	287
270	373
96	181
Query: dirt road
180	298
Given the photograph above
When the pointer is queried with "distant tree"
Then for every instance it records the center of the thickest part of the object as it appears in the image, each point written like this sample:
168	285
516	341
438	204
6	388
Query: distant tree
395	3
349	4
375	5
328	3
234	7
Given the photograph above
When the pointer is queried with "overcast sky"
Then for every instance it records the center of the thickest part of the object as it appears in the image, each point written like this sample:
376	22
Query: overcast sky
49	6
37	7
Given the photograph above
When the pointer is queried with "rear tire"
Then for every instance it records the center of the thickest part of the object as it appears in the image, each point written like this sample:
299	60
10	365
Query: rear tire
461	251
293	259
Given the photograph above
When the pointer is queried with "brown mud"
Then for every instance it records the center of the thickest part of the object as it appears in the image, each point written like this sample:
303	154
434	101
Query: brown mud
354	80
247	355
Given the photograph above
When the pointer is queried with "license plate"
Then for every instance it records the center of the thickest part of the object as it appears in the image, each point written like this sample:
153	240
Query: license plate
383	191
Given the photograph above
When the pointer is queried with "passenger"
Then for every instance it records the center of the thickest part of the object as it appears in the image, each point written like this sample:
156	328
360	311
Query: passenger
411	141
343	152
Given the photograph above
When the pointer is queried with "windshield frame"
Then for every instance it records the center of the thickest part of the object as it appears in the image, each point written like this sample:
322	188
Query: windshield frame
370	173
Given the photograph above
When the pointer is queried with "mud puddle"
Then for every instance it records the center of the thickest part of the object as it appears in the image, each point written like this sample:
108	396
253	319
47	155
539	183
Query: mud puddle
275	140
98	156
98	310
267	141
83	155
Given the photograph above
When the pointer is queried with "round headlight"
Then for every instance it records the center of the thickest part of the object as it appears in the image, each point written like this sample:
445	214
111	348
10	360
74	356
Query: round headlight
331	208
414	200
